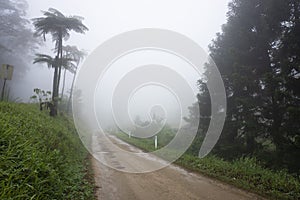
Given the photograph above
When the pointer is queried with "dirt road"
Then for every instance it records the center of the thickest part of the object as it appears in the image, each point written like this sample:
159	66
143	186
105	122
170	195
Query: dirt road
172	182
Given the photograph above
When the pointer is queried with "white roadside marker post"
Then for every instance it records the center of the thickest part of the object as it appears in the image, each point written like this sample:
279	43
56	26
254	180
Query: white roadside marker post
129	134
155	142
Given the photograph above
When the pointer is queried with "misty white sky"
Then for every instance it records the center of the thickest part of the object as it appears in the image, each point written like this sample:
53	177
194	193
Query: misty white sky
198	19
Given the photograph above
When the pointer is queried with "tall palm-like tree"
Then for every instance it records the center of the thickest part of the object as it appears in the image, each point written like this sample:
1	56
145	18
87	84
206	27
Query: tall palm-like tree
59	26
71	69
45	59
77	55
67	63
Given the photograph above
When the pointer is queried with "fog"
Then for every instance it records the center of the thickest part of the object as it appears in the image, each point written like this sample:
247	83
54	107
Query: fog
198	20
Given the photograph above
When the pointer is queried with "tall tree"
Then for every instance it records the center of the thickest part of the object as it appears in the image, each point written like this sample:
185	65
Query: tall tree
66	62
257	54
17	44
242	52
77	55
59	26
283	89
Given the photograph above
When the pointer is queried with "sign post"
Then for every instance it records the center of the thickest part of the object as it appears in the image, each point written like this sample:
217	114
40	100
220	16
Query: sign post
155	142
6	72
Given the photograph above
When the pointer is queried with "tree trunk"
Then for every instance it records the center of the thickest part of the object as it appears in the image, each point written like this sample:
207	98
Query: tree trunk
71	93
53	108
64	83
57	67
60	52
276	133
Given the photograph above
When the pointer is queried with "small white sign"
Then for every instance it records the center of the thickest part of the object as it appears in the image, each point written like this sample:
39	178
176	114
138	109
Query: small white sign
6	72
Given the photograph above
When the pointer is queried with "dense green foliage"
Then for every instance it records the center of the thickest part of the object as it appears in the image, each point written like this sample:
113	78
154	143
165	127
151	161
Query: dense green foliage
246	173
257	54
40	157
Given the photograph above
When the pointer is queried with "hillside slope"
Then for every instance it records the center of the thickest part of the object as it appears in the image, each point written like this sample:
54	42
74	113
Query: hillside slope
40	157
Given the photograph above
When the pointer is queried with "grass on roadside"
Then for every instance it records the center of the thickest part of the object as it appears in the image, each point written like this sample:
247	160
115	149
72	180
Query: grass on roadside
245	173
41	157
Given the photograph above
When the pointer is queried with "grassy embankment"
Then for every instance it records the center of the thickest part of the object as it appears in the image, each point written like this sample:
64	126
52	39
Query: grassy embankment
245	173
41	157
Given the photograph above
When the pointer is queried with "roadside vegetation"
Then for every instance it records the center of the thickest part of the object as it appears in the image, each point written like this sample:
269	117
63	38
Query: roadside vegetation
41	157
246	173
59	27
257	54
